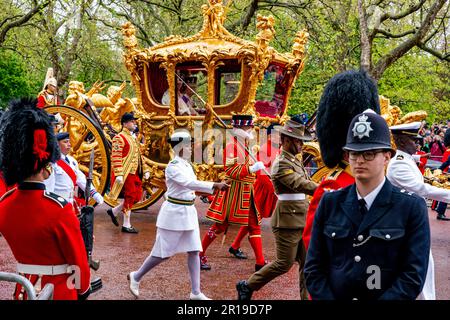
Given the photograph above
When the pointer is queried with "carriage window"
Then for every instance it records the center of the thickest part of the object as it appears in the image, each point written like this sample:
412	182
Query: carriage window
191	90
229	76
157	88
271	94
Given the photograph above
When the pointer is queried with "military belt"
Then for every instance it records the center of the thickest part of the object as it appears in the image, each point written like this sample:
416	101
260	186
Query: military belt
291	196
44	270
180	202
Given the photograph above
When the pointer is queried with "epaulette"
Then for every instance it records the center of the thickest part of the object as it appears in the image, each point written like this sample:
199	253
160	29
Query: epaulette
8	193
399	157
58	199
174	161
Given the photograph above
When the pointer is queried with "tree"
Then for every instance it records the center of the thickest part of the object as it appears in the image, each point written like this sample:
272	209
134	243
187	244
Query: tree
16	17
13	82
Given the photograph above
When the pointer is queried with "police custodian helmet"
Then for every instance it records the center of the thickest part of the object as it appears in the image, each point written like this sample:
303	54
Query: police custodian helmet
368	131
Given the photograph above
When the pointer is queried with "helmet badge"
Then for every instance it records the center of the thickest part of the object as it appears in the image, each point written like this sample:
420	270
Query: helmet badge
362	127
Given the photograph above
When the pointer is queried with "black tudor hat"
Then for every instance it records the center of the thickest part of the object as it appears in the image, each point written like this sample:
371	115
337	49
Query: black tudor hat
127	116
368	131
240	120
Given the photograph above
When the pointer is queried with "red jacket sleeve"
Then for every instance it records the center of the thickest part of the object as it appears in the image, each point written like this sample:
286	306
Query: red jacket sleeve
72	247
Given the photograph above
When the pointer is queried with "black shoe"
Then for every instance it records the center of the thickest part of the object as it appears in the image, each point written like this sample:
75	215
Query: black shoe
442	217
204	263
113	217
237	253
129	230
244	291
259	266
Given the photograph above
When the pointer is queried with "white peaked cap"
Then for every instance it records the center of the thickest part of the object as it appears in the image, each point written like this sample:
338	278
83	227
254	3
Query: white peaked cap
180	135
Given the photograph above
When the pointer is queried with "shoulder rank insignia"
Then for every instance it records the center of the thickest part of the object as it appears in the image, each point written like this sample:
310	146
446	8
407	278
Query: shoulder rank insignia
58	199
174	161
399	157
8	193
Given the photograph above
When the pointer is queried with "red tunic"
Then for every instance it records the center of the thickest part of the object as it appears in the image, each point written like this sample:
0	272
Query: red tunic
45	99
339	178
264	193
233	205
42	230
127	162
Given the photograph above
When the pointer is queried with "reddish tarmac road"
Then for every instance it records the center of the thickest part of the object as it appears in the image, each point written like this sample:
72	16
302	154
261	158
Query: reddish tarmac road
121	253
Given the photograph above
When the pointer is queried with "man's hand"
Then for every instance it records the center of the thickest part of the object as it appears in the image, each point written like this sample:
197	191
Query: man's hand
257	166
147	175
119	179
221	186
98	198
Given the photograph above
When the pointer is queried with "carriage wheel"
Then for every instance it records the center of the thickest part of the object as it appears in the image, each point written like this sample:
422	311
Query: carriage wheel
85	134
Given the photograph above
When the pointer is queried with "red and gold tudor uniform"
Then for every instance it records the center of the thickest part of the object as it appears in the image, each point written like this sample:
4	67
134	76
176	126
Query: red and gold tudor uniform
126	160
235	205
40	241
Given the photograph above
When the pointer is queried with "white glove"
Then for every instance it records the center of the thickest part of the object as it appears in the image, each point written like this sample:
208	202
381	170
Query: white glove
147	175
119	179
257	166
98	198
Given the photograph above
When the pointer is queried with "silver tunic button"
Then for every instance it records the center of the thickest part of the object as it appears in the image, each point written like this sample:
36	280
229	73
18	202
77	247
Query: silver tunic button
333	234
360	237
355	299
357	258
388	236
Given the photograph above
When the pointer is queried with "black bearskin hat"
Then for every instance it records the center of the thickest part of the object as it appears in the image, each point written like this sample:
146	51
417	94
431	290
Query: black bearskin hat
447	138
27	143
345	95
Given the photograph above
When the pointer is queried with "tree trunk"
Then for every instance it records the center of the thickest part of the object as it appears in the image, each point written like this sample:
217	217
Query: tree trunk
366	45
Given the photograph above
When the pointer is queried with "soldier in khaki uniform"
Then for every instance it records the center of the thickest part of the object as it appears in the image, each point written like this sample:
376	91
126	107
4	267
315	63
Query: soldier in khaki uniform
292	184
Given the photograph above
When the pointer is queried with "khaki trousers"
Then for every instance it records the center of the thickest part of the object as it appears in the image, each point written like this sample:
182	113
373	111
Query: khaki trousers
289	249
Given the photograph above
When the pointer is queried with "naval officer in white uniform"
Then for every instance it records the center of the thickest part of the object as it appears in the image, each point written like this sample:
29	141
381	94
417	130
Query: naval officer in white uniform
67	176
403	172
177	222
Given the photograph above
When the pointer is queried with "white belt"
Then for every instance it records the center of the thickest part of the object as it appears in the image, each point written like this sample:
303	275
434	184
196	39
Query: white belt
291	196
44	270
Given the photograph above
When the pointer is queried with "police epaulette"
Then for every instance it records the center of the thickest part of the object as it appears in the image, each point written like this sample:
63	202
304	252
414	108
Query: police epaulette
58	199
399	157
7	194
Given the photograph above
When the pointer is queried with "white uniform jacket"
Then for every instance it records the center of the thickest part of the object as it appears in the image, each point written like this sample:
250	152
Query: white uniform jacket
402	172
181	184
60	182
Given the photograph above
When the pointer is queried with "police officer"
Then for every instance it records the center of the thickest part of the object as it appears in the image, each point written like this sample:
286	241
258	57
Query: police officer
403	172
291	184
40	227
177	223
370	240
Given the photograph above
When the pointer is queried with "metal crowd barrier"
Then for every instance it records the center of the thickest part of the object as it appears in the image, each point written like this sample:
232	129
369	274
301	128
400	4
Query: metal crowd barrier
45	294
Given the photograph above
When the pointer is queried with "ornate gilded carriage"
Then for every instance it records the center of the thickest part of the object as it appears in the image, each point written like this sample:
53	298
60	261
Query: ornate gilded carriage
174	81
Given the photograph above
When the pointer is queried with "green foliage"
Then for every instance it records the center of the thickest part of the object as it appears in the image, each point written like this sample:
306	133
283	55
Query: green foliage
13	78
